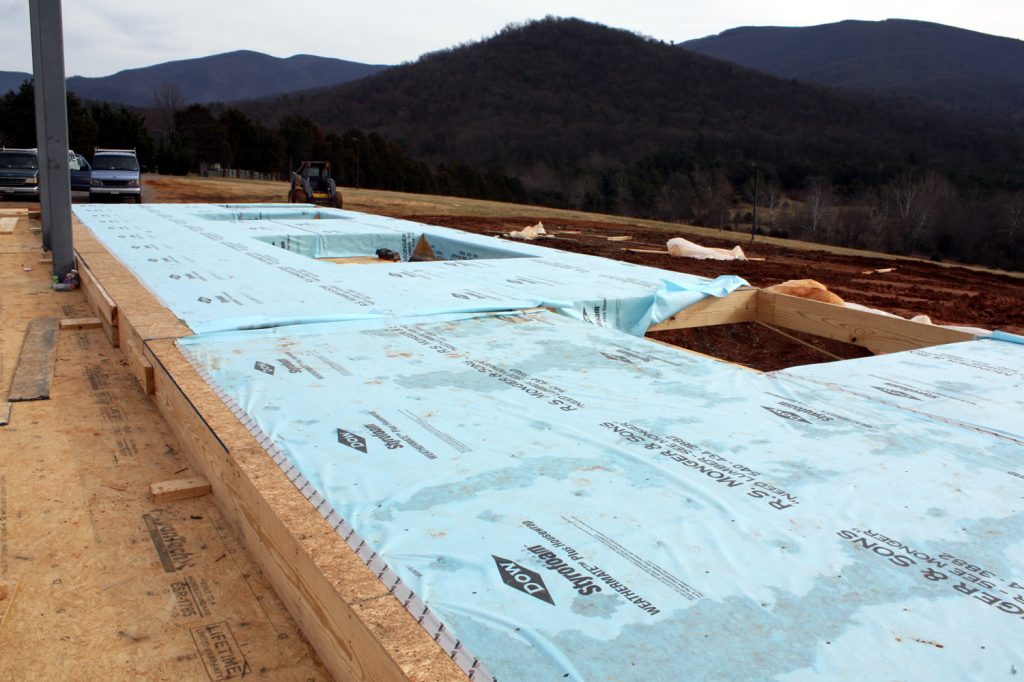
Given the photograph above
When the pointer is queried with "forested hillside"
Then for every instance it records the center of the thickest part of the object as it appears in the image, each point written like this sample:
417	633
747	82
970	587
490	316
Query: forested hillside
602	119
567	113
563	96
948	66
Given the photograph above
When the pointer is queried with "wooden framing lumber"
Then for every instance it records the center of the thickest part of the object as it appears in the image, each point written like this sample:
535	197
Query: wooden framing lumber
5	413
100	301
81	323
877	333
133	349
355	260
34	372
739	306
179	489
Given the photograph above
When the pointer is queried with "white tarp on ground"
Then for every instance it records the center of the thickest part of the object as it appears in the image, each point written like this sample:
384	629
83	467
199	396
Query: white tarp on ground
684	248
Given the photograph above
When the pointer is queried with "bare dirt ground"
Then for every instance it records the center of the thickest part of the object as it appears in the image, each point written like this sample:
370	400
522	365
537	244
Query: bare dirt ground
948	294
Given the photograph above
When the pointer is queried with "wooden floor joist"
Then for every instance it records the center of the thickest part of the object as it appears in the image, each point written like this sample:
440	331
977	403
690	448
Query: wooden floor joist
100	301
34	372
878	333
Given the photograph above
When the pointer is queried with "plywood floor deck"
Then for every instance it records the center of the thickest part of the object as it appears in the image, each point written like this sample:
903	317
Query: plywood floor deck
101	582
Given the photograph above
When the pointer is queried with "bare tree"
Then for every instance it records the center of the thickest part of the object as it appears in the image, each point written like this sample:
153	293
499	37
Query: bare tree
168	100
579	187
713	191
878	218
771	197
1013	224
623	193
916	202
820	214
675	198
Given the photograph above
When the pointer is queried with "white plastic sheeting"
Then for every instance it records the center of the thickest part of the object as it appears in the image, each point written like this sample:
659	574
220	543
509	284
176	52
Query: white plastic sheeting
684	248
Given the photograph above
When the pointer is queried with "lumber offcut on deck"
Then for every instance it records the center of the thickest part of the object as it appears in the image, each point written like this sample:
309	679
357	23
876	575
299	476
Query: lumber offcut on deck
97	581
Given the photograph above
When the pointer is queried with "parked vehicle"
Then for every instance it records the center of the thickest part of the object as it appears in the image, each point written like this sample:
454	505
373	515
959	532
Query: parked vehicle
115	173
312	183
19	173
80	172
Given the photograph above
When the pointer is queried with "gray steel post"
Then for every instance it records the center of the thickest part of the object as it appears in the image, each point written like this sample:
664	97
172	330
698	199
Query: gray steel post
52	132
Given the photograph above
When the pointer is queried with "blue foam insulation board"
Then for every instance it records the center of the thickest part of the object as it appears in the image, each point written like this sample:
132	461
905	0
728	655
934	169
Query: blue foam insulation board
236	267
975	384
559	500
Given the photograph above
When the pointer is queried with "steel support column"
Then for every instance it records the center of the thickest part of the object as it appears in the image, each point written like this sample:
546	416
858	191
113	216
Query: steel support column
52	132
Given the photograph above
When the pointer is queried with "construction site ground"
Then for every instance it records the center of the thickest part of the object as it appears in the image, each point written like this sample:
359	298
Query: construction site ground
947	293
98	581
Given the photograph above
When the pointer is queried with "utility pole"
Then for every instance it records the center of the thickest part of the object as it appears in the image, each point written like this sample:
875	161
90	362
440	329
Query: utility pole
753	222
52	132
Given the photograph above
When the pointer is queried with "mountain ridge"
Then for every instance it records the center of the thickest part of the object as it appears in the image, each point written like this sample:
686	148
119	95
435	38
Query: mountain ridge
223	77
575	95
958	68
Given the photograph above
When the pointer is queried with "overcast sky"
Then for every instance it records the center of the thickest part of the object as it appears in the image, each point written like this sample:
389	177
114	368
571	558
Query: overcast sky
102	37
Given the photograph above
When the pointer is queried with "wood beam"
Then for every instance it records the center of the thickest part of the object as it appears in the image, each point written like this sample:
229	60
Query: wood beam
100	301
877	333
34	372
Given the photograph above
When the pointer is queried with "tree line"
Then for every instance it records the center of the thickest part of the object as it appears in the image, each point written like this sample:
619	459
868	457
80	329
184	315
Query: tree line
919	212
896	208
173	138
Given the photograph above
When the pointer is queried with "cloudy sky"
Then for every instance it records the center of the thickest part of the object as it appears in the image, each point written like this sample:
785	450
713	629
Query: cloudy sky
102	37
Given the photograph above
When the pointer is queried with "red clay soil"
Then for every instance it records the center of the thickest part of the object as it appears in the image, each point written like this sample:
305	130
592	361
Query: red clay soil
948	295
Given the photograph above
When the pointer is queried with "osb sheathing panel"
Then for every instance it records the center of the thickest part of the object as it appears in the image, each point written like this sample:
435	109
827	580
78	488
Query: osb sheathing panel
101	583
